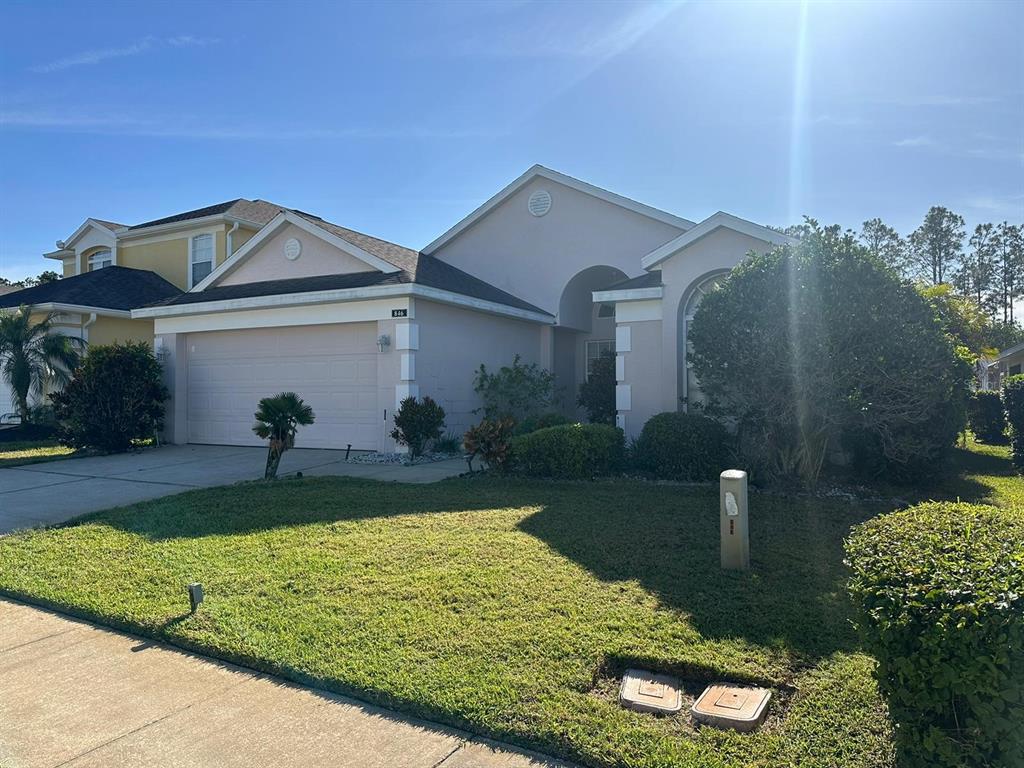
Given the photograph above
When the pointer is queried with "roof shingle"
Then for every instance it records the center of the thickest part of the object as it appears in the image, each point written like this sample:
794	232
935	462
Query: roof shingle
118	288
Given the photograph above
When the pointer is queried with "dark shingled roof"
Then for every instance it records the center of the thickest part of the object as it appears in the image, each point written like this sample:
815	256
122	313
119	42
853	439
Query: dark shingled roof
108	288
258	211
646	280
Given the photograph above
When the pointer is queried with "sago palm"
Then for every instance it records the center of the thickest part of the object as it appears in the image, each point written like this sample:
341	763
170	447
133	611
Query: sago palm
277	419
32	356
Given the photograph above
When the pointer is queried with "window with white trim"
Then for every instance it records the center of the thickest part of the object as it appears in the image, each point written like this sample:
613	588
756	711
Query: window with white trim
200	258
596	350
101	259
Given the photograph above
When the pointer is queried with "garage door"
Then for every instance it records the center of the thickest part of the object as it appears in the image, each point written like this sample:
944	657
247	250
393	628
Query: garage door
332	367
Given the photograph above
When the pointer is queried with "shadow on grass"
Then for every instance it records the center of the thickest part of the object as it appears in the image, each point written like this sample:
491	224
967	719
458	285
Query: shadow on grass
793	598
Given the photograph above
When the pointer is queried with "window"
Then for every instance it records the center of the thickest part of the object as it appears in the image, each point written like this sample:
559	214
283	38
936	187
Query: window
1014	370
100	259
596	350
606	310
200	259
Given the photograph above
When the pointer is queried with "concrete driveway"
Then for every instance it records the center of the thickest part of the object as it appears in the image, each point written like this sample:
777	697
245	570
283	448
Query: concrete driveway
45	494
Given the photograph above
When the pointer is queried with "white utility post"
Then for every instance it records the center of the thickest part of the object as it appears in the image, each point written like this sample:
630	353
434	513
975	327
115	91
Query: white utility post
732	500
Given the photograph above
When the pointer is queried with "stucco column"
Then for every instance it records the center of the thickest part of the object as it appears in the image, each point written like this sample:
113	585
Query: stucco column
171	351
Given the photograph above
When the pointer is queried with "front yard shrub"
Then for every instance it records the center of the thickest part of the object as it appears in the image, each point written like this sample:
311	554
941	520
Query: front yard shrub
418	423
811	343
597	393
985	416
682	446
1013	403
278	418
491	441
544	420
515	391
115	397
569	452
939	591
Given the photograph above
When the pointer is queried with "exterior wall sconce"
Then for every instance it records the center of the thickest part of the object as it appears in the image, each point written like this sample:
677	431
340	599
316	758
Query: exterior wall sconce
383	341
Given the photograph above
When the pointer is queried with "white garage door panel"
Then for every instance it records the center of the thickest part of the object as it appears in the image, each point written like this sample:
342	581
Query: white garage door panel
331	367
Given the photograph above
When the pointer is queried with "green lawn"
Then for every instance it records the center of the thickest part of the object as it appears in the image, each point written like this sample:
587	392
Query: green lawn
506	607
33	452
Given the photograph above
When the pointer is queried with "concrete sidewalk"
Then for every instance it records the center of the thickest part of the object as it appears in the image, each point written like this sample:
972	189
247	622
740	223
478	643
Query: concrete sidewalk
79	695
50	493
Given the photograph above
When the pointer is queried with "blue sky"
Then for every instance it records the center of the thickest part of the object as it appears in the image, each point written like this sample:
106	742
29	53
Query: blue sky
399	118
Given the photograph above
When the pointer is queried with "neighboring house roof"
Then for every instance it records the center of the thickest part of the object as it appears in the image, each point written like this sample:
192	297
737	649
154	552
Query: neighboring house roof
568	181
1015	349
709	225
394	265
420	270
117	288
256	211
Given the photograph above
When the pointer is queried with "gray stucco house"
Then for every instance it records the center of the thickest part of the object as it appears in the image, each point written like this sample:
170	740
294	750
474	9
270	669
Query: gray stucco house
551	268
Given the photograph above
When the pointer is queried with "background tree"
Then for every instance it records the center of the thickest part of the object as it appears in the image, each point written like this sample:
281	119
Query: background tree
277	420
936	246
32	356
884	243
977	267
1008	257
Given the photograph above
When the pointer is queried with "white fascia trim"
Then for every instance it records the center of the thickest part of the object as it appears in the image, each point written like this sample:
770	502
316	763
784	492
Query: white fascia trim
568	181
709	225
341	295
272	226
63	253
629	294
85	226
56	306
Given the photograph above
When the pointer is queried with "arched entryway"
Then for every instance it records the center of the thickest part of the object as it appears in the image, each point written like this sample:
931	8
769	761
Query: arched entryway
584	331
688	388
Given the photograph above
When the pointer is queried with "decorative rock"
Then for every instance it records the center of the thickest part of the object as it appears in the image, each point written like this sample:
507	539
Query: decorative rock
647	692
741	708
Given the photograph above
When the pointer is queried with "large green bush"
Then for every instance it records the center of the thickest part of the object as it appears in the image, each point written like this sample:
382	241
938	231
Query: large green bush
810	344
417	424
516	391
543	421
597	393
939	590
569	452
682	446
1013	403
115	397
985	416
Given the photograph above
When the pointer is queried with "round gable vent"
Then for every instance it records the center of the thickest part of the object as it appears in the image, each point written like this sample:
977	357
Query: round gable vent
292	248
539	202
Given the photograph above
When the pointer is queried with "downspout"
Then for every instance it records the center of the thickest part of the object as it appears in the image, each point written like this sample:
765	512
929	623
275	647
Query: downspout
230	241
85	327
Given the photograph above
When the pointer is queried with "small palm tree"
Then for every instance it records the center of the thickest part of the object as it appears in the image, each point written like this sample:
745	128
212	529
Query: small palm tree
277	419
32	356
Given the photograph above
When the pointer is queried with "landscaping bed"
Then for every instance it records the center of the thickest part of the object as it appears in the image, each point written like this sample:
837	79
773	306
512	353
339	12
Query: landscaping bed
507	607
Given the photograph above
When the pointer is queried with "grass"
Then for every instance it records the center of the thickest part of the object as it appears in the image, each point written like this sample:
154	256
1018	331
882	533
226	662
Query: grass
506	607
33	452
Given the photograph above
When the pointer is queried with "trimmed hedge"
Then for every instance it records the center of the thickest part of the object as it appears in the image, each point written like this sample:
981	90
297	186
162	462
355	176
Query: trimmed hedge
543	421
985	416
682	446
569	452
939	590
1013	403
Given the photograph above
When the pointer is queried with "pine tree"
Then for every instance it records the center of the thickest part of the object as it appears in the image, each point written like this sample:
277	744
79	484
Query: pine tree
937	245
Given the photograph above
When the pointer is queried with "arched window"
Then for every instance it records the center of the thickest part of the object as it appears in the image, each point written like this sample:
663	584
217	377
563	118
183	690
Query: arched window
100	259
690	393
